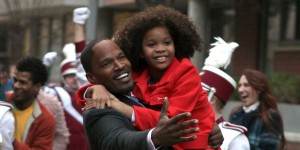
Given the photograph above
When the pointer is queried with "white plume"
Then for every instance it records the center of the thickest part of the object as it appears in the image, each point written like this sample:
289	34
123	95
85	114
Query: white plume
69	51
220	55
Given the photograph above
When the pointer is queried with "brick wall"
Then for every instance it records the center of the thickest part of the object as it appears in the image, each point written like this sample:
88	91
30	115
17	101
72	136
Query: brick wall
246	33
287	62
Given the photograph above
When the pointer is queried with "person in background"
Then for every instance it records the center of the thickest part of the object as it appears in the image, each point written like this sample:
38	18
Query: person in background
69	69
80	15
219	87
7	126
259	112
5	82
66	94
49	98
35	125
62	134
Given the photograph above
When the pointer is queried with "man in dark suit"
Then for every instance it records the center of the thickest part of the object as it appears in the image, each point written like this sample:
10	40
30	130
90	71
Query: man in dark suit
106	64
108	129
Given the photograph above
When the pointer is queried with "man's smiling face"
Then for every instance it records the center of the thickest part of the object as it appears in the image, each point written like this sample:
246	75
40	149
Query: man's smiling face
111	68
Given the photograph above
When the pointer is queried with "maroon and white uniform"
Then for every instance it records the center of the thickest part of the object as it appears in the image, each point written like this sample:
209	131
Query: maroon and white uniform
234	136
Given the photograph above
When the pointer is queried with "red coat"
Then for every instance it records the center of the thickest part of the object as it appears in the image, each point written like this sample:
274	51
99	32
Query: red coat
41	130
182	85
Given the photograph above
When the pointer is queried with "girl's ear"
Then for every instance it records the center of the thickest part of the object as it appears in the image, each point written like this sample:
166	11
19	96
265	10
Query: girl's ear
90	77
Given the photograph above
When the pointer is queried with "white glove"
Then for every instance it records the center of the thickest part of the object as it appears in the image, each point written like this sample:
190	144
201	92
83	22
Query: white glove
80	15
69	51
49	58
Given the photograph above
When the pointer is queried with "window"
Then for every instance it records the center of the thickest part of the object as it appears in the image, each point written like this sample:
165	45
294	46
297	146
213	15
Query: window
289	20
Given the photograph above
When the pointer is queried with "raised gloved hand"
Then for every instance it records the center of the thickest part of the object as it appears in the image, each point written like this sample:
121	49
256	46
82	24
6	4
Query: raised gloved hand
49	58
80	15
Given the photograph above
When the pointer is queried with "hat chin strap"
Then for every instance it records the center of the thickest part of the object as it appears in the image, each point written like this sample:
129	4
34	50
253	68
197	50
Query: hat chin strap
209	90
211	93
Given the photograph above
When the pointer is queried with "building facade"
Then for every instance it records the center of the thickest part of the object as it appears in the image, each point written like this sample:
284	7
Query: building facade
268	32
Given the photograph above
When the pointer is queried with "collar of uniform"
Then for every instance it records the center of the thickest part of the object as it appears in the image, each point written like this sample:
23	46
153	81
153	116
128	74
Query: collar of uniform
36	109
143	78
2	103
219	119
251	107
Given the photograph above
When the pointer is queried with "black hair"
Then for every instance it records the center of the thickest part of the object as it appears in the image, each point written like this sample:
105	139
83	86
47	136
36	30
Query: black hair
87	55
35	67
130	34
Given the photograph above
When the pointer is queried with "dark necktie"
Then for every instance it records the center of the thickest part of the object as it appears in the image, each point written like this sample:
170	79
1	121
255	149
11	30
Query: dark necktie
136	100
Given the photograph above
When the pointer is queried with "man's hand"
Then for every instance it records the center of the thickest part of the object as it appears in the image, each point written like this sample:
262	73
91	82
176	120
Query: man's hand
215	138
170	131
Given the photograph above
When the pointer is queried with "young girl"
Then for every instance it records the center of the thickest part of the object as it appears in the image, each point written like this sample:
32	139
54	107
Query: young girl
158	42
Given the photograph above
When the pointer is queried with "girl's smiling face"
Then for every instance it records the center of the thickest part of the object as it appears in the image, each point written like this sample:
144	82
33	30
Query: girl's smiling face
158	49
247	94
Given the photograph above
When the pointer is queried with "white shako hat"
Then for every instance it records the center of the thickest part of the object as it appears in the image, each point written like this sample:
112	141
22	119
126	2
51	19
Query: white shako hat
67	66
214	80
217	82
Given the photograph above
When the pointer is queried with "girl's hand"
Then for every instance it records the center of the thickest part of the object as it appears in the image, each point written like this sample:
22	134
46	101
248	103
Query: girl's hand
100	98
90	104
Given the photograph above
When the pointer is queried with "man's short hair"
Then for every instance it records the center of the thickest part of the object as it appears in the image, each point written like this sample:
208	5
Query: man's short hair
87	55
35	67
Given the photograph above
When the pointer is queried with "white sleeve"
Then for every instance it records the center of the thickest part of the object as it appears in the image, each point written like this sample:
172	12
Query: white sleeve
7	130
84	94
240	142
150	142
80	74
133	117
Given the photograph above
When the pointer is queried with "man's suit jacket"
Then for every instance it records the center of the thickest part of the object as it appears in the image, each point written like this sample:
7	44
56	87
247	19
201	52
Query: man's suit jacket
108	129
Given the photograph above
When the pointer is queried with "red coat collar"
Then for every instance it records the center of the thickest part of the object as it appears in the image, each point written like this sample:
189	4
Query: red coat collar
145	75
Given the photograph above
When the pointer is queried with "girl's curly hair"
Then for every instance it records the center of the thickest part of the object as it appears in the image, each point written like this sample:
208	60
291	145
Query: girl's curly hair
129	35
